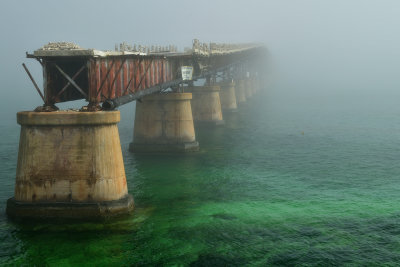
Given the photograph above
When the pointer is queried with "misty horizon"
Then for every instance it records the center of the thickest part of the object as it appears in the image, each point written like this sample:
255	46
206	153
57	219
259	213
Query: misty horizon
303	172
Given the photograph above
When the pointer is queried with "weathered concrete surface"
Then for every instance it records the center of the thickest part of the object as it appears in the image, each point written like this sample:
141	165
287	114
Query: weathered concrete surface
248	88
227	96
254	86
87	211
206	105
66	160
66	49
164	123
240	92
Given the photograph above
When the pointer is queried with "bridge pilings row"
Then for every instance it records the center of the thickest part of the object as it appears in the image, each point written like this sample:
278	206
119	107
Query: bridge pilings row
167	122
70	163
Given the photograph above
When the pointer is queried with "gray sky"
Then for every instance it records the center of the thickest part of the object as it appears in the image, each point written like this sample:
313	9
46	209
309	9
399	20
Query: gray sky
320	47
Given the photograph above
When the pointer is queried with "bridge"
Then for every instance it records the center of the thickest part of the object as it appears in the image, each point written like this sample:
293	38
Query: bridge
70	163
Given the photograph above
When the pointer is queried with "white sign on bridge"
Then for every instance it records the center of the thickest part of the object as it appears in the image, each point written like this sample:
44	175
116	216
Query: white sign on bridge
187	73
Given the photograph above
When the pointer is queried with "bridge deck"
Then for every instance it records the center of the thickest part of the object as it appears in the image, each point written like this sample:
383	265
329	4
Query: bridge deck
71	72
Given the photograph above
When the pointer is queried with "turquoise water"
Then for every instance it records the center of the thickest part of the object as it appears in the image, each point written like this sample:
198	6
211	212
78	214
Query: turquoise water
286	181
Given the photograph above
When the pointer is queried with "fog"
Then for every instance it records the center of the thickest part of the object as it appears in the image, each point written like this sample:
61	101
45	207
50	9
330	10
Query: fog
322	50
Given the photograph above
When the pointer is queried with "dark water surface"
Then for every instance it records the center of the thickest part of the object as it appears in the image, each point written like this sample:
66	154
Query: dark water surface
297	182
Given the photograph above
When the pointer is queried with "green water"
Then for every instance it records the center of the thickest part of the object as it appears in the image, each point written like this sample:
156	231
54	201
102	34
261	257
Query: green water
283	182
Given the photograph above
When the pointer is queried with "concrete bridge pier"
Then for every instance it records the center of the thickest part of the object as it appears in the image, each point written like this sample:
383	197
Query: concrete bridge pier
248	88
254	83
259	84
240	92
227	96
164	123
70	166
206	105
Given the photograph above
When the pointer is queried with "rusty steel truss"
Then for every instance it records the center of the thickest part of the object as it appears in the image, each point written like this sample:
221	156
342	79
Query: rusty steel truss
118	77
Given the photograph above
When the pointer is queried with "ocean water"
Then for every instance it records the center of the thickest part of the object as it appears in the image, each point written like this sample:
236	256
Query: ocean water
286	181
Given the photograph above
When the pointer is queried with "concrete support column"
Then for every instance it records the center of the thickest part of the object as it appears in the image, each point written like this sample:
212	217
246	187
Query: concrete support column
248	88
227	96
240	92
256	84
206	105
259	84
253	86
164	123
70	166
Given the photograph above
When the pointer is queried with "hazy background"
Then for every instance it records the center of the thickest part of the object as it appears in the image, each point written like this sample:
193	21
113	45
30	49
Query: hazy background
325	51
307	175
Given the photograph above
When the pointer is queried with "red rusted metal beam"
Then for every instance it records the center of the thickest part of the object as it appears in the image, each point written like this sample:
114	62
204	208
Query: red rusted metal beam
105	72
33	81
116	82
145	77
